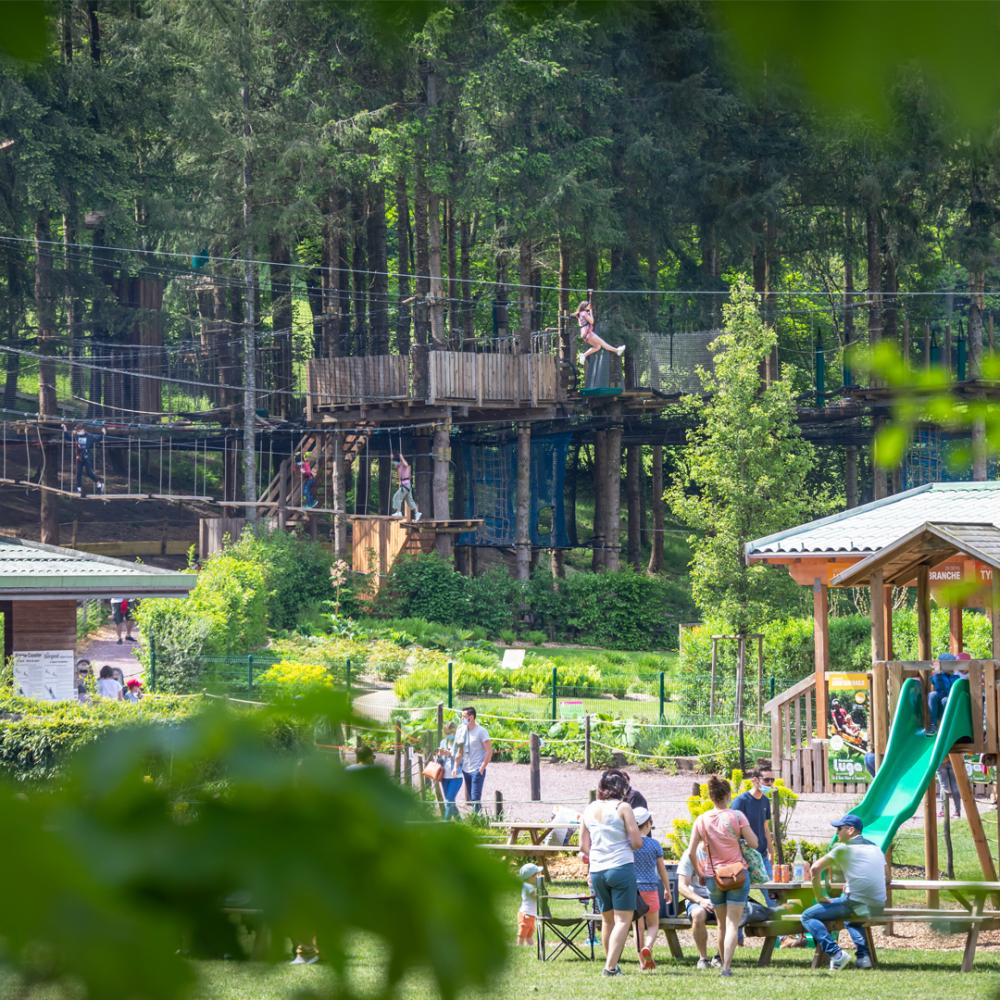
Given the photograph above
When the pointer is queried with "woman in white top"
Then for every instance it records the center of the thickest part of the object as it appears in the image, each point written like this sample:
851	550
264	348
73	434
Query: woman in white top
608	837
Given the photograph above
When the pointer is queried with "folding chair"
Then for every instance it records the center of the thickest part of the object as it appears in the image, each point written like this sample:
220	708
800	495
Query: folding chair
566	929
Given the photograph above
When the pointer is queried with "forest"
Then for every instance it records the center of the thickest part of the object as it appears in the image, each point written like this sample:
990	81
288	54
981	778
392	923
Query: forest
363	179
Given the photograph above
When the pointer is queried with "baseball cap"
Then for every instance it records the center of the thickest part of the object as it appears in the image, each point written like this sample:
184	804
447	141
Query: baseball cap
642	815
851	819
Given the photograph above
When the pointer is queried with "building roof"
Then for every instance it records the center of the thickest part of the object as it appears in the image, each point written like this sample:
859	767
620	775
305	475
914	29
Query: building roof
927	545
868	528
32	571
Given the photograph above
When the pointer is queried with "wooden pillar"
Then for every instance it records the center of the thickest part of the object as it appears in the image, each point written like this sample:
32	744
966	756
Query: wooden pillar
633	487
384	484
612	496
522	509
600	452
887	620
656	541
851	475
283	477
923	615
821	639
422	474
932	868
441	502
339	497
955	637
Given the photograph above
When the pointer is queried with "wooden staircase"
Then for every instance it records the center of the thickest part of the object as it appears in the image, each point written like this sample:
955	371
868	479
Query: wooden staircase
320	449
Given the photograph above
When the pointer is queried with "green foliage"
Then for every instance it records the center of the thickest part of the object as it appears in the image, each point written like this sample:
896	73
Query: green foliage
180	639
425	586
141	851
743	473
494	599
38	738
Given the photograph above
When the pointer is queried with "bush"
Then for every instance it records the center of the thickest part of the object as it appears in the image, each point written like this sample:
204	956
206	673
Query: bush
493	600
287	680
38	738
386	660
427	587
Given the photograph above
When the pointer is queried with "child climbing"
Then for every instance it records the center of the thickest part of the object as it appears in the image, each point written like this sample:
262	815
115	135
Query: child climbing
585	317
304	465
405	491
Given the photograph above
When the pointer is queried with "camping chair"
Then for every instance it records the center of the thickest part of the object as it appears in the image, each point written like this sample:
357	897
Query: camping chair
566	929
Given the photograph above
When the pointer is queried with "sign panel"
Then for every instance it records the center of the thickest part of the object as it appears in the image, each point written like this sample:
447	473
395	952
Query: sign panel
978	771
45	674
571	710
849	758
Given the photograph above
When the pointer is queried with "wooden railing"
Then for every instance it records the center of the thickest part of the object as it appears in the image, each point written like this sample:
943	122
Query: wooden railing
984	689
796	755
460	377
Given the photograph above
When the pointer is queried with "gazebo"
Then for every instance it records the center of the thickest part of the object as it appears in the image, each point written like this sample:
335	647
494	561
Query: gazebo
40	586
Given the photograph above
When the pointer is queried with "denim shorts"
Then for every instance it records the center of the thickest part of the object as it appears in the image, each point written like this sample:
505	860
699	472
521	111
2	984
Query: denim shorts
730	896
615	888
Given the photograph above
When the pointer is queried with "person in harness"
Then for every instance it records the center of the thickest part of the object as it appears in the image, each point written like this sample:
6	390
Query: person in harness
82	444
304	465
405	491
585	317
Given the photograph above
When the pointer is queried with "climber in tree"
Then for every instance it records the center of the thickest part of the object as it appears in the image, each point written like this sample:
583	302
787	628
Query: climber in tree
82	443
405	491
585	317
304	464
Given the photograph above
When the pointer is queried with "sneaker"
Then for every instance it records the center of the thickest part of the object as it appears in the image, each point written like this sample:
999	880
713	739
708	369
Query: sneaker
417	516
646	957
863	962
397	513
616	971
100	486
131	638
716	962
703	964
839	961
931	731
119	642
620	350
940	814
726	972
79	491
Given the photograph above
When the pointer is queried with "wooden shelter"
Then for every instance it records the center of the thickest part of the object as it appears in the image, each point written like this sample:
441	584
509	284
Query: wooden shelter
40	586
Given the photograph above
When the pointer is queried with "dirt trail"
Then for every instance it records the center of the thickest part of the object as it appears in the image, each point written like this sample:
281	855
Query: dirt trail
102	648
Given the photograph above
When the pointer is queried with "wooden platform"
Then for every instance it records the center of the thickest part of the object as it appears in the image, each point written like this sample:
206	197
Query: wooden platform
377	540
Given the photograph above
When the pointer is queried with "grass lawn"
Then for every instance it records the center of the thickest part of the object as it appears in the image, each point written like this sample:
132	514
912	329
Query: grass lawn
913	975
909	849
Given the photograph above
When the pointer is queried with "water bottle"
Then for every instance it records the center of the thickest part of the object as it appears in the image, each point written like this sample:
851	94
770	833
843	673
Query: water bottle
799	866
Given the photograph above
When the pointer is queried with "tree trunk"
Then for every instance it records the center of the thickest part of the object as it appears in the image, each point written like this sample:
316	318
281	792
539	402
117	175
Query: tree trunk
501	319
359	269
423	474
633	489
15	309
403	242
612	496
421	319
567	335
454	311
655	564
339	498
378	262
524	298
467	300
47	404
442	504
572	479
281	325
384	484
74	302
599	555
522	513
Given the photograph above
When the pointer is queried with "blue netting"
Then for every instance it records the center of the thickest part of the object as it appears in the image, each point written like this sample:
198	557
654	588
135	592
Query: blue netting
490	473
935	456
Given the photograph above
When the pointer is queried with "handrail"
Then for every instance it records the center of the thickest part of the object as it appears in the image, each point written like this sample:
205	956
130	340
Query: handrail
795	691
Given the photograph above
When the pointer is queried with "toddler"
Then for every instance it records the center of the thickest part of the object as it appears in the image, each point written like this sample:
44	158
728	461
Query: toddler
529	903
650	874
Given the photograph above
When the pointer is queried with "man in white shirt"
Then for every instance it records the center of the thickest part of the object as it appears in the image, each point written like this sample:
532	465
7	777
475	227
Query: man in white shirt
691	888
473	753
863	866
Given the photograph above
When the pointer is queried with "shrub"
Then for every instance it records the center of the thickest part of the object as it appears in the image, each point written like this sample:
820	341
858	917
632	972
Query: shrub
287	680
684	746
535	638
386	660
180	638
493	600
424	586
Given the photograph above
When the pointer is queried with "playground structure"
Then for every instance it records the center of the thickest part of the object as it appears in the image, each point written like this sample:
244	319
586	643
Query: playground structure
949	547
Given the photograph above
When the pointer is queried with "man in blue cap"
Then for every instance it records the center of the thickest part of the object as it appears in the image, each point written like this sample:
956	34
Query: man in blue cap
862	865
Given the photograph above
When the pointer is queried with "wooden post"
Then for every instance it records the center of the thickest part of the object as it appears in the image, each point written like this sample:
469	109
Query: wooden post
887	620
955	636
760	679
407	768
741	663
522	508
612	494
397	752
339	477
821	637
440	721
931	865
923	614
283	478
971	808
441	504
586	741
711	686
536	771
656	541
421	780
498	799
878	616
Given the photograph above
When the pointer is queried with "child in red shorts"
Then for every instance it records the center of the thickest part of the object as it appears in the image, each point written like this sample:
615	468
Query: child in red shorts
650	873
529	903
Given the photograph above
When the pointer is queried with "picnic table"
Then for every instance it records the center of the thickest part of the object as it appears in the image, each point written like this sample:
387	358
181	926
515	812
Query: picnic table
538	852
970	916
537	832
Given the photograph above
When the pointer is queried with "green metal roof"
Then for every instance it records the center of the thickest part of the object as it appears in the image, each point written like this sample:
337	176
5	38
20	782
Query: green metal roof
868	528
32	571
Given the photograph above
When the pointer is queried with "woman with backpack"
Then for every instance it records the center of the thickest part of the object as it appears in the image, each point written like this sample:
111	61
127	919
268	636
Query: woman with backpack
722	831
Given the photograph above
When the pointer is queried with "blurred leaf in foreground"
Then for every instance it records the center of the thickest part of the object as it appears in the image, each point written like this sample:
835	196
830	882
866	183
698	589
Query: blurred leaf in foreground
158	834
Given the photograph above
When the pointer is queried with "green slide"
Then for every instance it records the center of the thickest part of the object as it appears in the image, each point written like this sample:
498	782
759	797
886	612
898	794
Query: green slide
911	758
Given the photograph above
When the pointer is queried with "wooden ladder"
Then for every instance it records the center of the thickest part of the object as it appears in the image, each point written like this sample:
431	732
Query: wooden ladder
320	446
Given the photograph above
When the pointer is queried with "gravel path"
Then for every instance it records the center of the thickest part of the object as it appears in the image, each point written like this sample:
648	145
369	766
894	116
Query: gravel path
102	648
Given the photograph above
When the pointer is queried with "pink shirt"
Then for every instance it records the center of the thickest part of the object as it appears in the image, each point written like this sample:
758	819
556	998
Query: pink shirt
722	830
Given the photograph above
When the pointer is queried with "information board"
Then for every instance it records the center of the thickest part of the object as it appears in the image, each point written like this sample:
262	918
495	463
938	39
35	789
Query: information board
45	674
